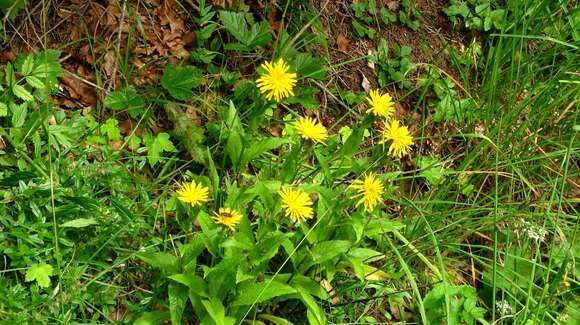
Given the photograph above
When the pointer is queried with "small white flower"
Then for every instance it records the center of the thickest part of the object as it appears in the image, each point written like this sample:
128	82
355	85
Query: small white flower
534	232
504	308
562	318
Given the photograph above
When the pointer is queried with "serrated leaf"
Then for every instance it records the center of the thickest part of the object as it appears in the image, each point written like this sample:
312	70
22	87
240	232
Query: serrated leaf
235	23
156	146
35	82
28	65
79	223
21	92
39	272
251	292
111	129
179	81
125	98
19	113
3	110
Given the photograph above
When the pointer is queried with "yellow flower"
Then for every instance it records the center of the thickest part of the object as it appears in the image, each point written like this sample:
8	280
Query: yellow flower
310	130
297	204
228	217
277	82
381	105
400	137
193	193
369	190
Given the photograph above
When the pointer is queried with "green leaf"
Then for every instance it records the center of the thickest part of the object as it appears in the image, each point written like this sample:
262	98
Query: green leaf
177	299
3	110
21	92
28	65
19	113
125	98
431	169
111	130
217	312
251	292
235	23
193	282
39	272
152	318
79	223
179	81
327	250
161	260
157	145
274	319
35	82
258	148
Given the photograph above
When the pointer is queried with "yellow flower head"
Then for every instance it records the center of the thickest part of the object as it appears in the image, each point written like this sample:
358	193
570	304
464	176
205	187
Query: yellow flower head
297	204
400	137
381	105
228	217
310	130
193	193
277	83
369	190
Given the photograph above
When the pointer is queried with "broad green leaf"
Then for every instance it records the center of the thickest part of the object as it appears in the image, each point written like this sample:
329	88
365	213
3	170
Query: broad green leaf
251	292
327	250
157	145
161	260
79	223
217	312
21	92
193	282
314	314
39	272
258	148
180	81
125	98
275	320
177	299
152	318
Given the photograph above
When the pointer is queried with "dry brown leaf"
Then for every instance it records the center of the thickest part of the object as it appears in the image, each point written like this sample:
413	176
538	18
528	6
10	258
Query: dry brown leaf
365	84
342	42
79	90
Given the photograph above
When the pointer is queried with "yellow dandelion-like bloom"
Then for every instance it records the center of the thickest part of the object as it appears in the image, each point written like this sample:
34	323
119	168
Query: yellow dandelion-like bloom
310	130
381	105
400	137
277	83
193	193
228	217
297	204
369	190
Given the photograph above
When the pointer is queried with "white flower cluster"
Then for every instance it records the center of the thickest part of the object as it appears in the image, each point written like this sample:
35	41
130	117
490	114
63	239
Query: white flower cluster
563	318
504	308
534	231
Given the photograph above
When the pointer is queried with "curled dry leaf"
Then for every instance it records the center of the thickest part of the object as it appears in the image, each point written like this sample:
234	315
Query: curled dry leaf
342	42
365	84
